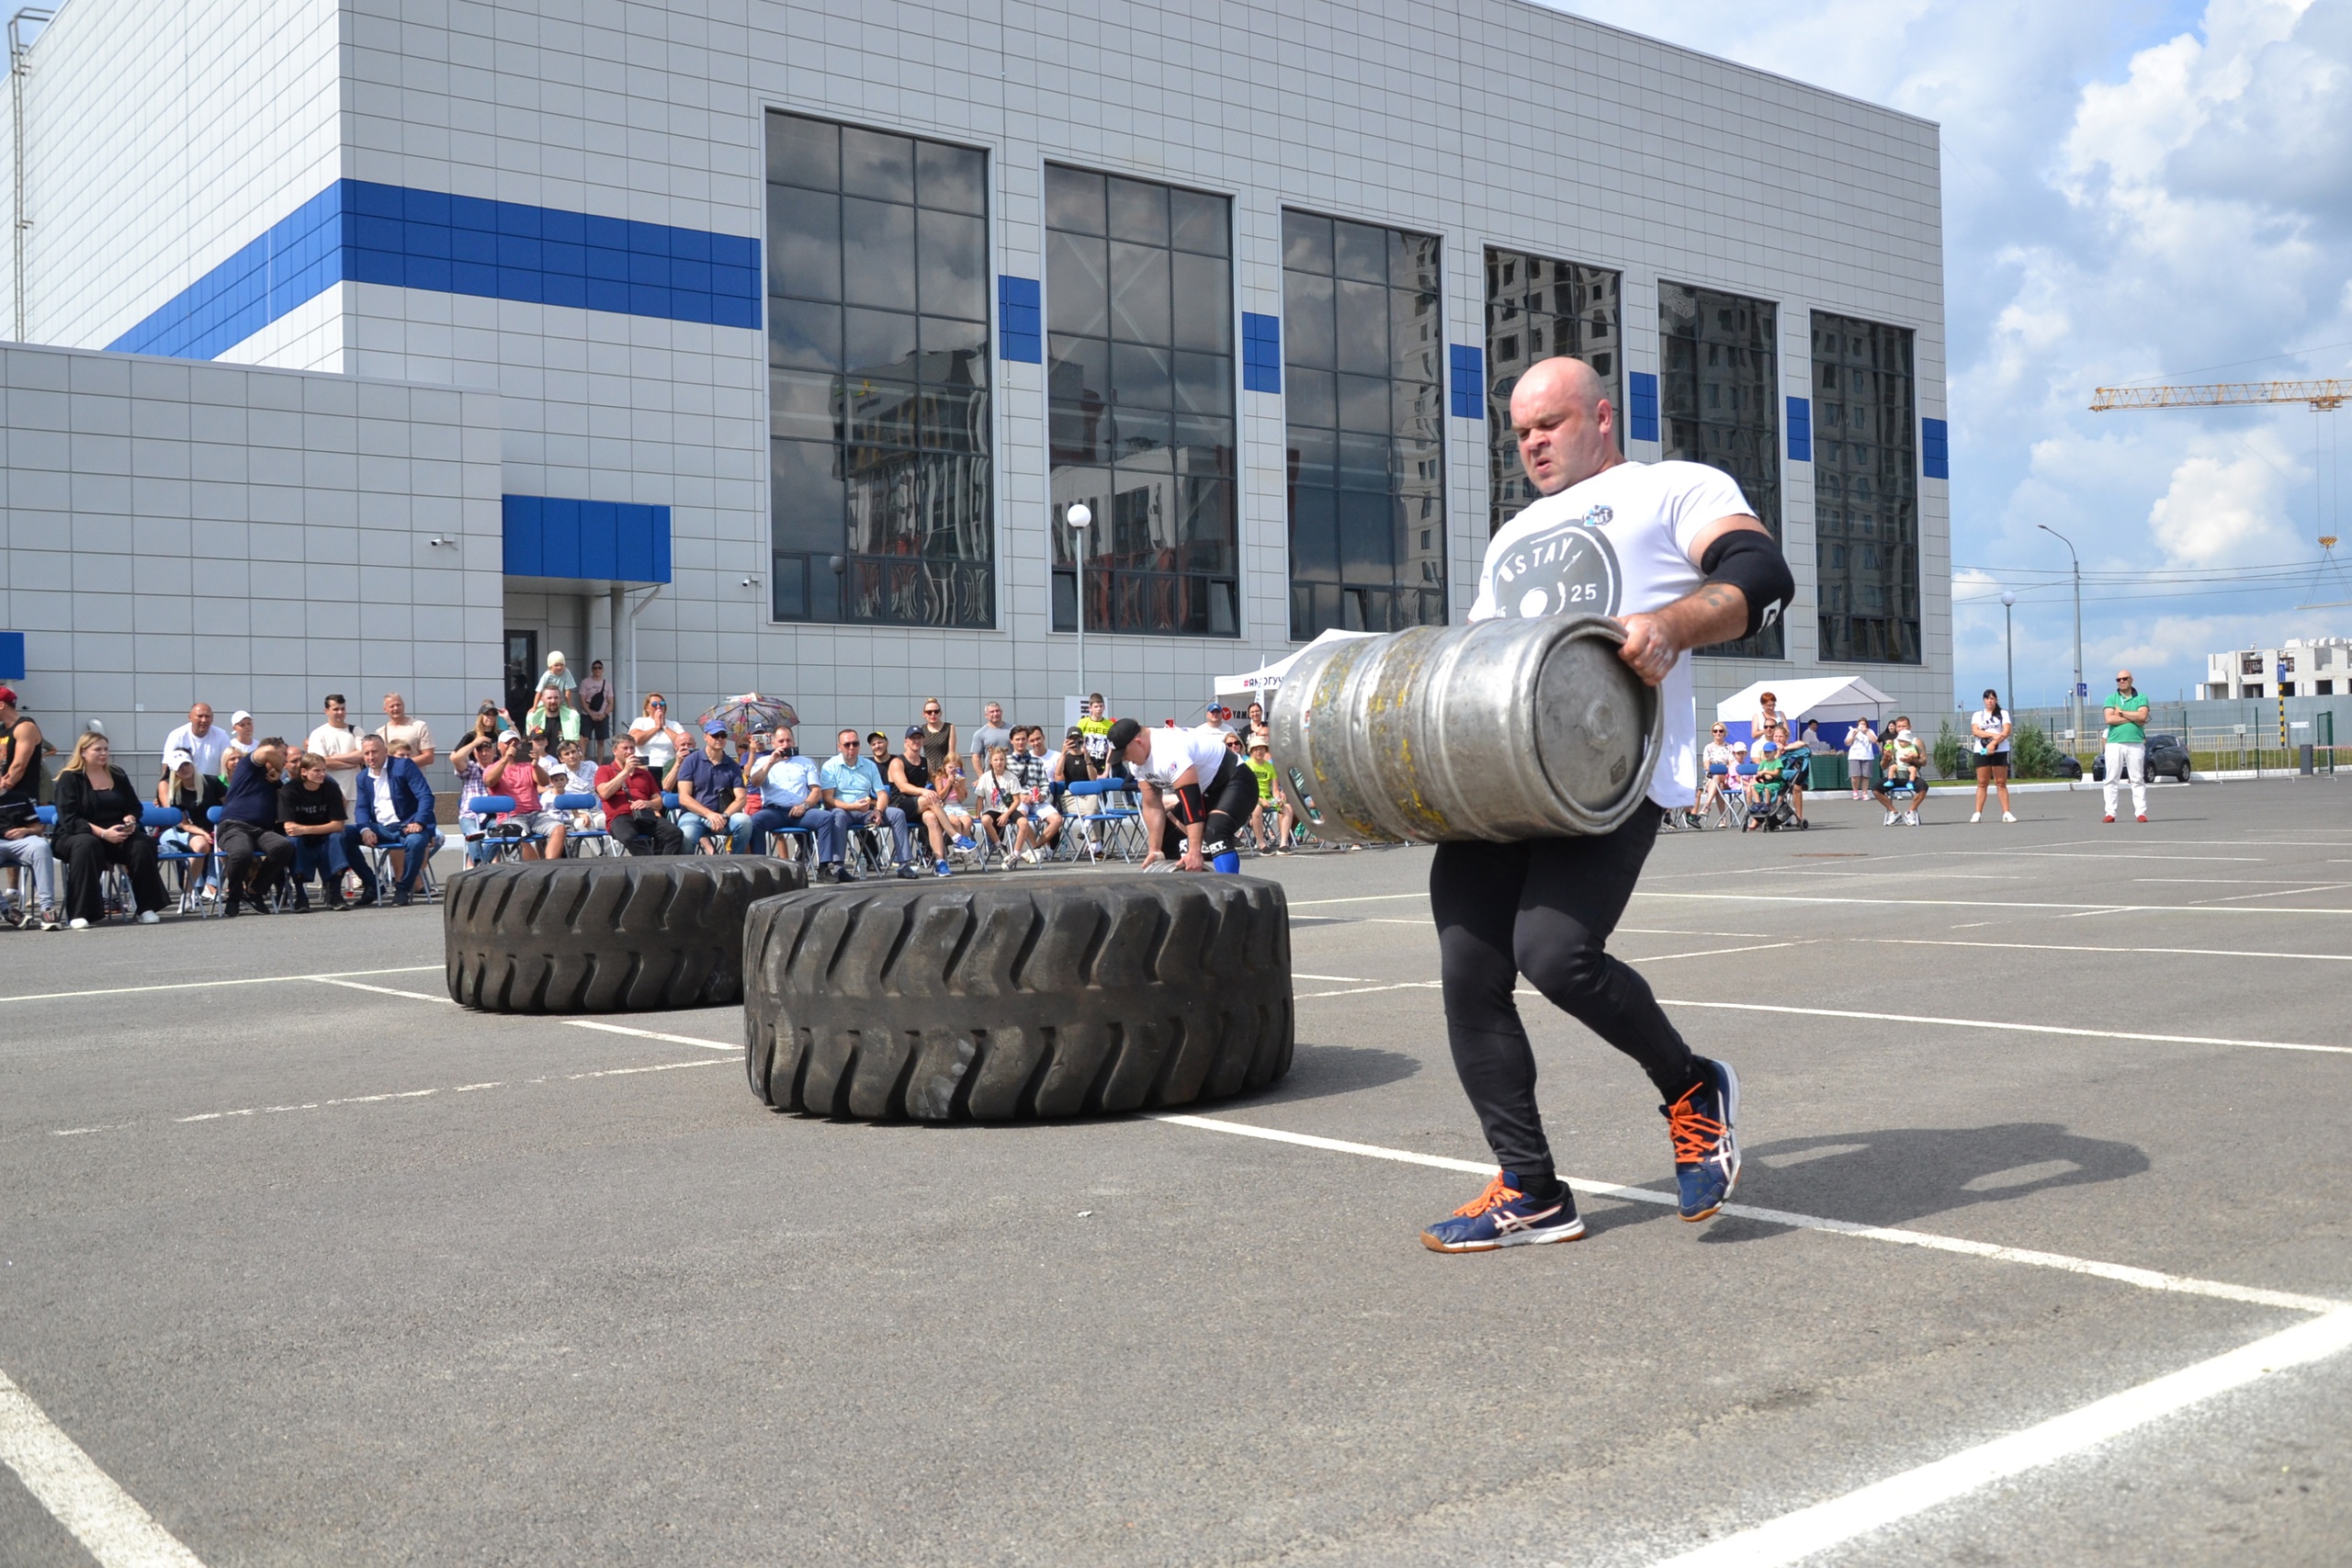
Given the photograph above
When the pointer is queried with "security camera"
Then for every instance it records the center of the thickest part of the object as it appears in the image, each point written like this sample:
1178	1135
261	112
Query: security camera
747	582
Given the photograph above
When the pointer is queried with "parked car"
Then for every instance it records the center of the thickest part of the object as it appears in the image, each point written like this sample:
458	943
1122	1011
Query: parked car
2167	758
2068	766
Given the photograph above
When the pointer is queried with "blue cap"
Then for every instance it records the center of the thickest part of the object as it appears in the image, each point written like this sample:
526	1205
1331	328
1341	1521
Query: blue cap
714	728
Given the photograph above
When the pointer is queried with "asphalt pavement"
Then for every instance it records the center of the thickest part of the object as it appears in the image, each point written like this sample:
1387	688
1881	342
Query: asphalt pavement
2041	1120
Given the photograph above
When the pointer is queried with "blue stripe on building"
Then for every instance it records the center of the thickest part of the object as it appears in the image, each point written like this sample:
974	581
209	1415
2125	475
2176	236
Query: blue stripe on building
356	231
1021	323
607	541
1262	353
1468	393
1799	430
1935	449
1641	410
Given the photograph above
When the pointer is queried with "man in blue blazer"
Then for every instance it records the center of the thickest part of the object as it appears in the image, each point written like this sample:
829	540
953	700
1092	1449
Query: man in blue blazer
390	804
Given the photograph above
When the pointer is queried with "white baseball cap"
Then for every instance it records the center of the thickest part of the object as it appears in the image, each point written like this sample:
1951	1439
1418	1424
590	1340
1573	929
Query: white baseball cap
174	761
238	717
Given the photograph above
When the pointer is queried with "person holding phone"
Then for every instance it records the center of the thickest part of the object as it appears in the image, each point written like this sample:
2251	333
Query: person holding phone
1988	737
631	798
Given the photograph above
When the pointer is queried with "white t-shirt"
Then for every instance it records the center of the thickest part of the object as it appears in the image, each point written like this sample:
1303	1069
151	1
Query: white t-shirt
1860	745
1986	729
205	749
329	742
1616	545
1173	750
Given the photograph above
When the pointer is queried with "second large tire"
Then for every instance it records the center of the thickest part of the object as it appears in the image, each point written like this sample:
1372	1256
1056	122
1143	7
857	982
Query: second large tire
1018	997
604	935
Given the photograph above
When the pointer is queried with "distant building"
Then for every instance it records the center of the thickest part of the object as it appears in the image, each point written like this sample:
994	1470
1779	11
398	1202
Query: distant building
2300	667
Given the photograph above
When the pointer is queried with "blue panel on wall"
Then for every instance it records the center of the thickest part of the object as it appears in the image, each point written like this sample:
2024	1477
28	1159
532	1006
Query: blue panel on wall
1262	353
12	656
1641	411
600	541
1021	326
358	231
1935	449
1467	394
1799	430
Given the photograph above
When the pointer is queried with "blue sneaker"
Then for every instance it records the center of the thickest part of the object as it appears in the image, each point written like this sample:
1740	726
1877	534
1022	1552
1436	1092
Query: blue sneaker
1706	1154
946	869
1503	1216
964	842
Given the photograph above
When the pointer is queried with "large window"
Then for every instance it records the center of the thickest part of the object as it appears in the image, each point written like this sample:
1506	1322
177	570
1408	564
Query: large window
880	492
1719	391
1139	310
1364	338
1540	309
1865	490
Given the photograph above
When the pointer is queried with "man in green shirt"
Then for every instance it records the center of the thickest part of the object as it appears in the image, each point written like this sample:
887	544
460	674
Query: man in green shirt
2127	744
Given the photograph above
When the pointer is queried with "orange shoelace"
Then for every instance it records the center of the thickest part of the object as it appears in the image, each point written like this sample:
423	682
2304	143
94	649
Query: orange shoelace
1494	1197
1694	1135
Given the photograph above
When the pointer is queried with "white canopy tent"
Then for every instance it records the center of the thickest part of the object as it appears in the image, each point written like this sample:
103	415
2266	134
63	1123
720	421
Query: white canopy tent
1263	681
1831	699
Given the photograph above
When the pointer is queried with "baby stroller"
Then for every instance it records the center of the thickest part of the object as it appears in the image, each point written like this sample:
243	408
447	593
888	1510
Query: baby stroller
1772	808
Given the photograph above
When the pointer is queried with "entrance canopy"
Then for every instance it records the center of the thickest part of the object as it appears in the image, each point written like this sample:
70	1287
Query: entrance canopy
1830	699
1263	681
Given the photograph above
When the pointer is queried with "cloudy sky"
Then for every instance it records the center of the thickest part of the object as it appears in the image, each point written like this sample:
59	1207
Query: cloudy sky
2134	190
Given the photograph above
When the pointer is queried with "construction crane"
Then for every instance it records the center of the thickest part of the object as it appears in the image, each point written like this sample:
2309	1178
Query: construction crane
2324	397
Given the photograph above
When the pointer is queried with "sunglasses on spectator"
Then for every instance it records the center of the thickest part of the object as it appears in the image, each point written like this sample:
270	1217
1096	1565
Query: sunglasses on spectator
931	710
657	705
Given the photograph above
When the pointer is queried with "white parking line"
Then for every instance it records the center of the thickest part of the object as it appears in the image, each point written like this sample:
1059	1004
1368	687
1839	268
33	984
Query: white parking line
105	1519
207	984
387	990
1981	903
651	1034
2008	1028
1793	1537
2055	947
2121	1273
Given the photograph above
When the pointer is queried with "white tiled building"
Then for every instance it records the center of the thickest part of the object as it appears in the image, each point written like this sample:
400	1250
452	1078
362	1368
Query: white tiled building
573	209
2300	666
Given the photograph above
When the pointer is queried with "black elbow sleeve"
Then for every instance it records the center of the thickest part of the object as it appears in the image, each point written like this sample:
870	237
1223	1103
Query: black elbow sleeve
1751	562
1190	807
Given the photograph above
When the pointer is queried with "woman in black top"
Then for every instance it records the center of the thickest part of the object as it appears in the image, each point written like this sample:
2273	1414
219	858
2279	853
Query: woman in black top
310	803
98	817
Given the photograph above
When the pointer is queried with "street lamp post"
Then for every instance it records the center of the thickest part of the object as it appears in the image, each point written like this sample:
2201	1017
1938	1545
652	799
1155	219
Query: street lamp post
2010	640
2076	694
1080	517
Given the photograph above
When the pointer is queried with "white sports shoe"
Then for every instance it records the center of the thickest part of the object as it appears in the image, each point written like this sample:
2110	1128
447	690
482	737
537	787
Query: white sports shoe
77	925
2006	817
1889	818
1911	819
149	918
1976	816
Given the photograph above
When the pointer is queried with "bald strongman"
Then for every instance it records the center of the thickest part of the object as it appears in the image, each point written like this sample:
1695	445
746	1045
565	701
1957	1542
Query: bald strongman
1673	551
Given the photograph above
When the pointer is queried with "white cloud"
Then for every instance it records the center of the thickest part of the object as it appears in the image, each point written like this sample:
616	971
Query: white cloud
2223	511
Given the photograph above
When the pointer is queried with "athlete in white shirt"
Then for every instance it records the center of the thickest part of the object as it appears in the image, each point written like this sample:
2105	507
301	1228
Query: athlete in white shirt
1195	790
1675	553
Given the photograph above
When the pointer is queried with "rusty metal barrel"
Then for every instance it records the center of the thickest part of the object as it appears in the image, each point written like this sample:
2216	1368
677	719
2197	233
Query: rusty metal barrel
1501	730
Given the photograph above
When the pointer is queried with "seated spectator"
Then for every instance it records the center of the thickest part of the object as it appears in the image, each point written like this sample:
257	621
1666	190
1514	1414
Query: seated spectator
660	740
1903	764
1715	788
520	779
391	804
792	795
710	794
183	790
475	750
1262	766
98	825
999	797
853	787
335	739
913	792
254	852
24	841
310	806
1070	765
1035	771
398	728
955	802
877	748
577	777
632	801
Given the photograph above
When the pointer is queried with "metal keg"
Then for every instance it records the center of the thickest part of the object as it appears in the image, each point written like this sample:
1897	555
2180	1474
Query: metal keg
1502	730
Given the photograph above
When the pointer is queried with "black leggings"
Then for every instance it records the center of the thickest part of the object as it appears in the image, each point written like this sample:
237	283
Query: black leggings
1231	797
1544	908
86	857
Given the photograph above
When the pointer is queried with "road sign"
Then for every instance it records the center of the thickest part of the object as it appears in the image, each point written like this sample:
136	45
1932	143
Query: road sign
2082	688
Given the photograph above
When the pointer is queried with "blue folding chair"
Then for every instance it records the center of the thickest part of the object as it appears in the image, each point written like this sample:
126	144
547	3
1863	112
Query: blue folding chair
592	840
505	839
193	870
1117	817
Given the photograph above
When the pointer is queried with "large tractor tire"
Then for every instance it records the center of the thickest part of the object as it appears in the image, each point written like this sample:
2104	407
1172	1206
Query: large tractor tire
1017	997
607	935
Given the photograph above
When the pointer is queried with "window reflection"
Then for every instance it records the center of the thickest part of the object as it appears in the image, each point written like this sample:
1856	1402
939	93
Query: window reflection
1719	404
1140	414
1865	490
1540	309
1363	337
878	355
